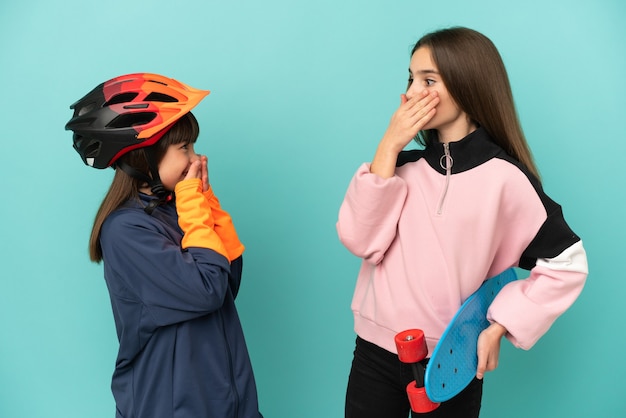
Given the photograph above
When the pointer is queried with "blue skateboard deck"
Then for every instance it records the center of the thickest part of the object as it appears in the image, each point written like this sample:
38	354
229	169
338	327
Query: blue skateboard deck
454	360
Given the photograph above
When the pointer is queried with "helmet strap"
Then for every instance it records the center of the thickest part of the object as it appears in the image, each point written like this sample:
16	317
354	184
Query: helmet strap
156	186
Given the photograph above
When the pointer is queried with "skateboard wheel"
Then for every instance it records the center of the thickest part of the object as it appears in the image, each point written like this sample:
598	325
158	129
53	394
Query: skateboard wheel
418	399
411	346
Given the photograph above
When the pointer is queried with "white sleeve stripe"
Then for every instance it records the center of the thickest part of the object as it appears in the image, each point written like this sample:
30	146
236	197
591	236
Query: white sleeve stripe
572	258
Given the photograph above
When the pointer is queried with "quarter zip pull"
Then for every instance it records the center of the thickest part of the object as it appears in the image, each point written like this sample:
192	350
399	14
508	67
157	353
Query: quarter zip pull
446	163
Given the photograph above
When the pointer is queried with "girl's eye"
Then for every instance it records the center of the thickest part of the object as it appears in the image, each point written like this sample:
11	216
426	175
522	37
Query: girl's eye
430	82
410	82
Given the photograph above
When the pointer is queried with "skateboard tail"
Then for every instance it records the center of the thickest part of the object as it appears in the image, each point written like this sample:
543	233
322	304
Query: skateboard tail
454	360
418	399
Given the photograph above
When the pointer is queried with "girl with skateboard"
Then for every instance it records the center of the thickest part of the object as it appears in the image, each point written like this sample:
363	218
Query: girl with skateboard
172	258
432	224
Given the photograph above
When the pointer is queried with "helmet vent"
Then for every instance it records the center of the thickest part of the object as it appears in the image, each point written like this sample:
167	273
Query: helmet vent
121	98
136	106
83	123
85	109
160	97
132	119
92	150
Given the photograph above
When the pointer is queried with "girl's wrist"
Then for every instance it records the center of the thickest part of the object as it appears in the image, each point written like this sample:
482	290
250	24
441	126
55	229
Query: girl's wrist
187	184
498	330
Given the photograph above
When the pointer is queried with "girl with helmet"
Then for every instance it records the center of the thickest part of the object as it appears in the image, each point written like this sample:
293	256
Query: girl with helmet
172	258
432	224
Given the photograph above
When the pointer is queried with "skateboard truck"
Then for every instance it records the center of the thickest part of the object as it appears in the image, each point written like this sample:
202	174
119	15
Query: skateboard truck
412	349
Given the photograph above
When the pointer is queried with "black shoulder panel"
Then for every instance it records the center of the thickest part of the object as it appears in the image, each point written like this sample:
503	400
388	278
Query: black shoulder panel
408	157
555	235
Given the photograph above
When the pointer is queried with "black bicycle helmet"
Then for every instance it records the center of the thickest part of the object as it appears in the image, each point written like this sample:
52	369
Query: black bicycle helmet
128	112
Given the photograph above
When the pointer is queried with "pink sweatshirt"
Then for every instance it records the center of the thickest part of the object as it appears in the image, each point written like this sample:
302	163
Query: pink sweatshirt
452	216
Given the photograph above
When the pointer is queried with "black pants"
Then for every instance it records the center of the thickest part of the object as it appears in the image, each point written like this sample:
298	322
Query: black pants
377	388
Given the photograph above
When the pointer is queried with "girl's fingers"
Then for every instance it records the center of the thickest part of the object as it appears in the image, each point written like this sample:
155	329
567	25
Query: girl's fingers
410	117
205	173
194	171
420	98
420	107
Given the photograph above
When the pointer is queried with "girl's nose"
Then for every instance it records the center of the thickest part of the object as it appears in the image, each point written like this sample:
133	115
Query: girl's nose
411	91
192	154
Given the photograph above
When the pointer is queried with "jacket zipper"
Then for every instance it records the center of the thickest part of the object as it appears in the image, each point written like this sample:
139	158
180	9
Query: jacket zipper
446	163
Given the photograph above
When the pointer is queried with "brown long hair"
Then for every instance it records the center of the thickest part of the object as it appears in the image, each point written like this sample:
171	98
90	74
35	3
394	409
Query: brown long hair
124	187
474	74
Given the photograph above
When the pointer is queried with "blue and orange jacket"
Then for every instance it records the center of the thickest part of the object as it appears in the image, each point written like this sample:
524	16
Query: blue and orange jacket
173	277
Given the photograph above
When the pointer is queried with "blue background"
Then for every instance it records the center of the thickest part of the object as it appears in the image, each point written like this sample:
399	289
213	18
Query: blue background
301	94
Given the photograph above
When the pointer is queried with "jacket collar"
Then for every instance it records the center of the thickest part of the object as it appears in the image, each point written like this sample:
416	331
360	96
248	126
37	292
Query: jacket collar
467	153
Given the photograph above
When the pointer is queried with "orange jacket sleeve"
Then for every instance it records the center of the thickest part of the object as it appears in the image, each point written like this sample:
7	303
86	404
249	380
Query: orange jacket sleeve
224	227
196	219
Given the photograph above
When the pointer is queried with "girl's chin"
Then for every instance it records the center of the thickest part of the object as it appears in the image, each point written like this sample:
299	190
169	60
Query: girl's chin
430	125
